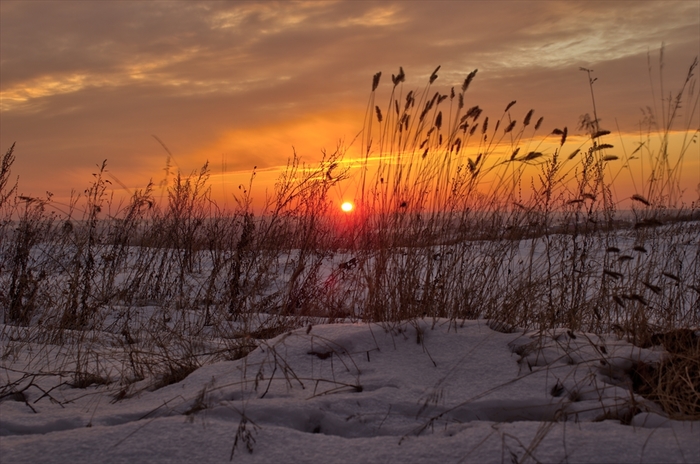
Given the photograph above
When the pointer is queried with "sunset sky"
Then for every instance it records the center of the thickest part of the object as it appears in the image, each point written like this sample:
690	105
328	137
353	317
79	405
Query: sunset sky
241	83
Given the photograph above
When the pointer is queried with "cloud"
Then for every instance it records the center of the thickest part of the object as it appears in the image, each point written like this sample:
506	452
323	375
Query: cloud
84	81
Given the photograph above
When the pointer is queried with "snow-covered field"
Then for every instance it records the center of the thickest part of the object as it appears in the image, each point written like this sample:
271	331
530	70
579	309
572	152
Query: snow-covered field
424	391
492	308
155	353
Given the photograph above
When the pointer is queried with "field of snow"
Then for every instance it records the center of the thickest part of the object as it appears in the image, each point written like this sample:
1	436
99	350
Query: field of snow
175	337
482	304
424	391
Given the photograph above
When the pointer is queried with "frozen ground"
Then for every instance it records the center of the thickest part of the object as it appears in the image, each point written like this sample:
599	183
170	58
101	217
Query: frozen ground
415	392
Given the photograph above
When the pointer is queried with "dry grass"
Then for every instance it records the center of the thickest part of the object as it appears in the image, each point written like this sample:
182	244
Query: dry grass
177	284
674	383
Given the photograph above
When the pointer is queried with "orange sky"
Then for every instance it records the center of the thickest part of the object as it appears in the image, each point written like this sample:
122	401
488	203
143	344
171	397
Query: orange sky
241	83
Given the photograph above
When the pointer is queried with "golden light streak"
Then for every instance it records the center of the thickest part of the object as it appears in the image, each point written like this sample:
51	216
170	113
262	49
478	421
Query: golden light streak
628	174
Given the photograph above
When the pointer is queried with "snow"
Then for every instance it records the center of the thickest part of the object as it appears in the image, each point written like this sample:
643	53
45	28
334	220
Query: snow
421	391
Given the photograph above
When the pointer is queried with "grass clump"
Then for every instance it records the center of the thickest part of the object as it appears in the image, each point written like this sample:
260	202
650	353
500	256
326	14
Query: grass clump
673	383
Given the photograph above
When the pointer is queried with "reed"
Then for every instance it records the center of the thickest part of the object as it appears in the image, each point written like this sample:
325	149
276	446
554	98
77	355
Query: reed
464	216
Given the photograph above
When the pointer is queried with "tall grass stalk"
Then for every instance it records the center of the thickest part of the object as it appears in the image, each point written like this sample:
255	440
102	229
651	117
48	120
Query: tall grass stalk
462	217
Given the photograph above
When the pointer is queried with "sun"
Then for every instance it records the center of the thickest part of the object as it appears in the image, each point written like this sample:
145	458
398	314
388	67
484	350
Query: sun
347	206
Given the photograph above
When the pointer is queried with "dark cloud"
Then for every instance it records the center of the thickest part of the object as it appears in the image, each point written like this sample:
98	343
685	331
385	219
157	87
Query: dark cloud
84	81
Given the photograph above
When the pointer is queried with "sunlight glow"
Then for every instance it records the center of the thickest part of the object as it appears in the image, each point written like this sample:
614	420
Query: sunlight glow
347	206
